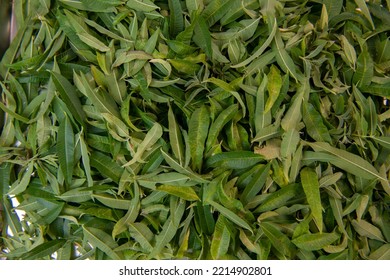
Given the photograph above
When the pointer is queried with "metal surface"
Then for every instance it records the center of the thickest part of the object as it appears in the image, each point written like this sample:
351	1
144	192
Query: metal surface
5	25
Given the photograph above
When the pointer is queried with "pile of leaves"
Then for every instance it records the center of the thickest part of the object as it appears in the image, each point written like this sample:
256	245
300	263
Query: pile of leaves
196	129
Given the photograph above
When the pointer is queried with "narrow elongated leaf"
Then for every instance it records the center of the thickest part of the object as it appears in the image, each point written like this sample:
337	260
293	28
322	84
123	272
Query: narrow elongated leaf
234	160
69	95
284	59
105	165
221	239
273	27
215	10
112	201
153	135
65	149
223	118
142	5
142	234
231	216
348	161
169	229
197	132
101	240
314	124
186	193
274	86
21	185
315	241
44	250
279	198
278	240
311	188
364	228
290	142
175	137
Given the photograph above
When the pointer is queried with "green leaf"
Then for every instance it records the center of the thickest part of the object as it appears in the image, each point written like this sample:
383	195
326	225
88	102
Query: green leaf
44	250
234	160
100	239
151	138
176	23
175	137
202	36
65	149
274	86
347	161
279	198
112	201
169	229
22	183
289	143
311	188
382	253
197	132
142	234
215	10
221	240
223	118
315	241
142	5
278	240
230	215
70	97
283	58
186	193
106	166
314	124
366	229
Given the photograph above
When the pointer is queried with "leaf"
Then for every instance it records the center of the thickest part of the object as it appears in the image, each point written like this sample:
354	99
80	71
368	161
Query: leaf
289	143
230	215
112	201
100	101
274	86
311	188
273	26
175	137
221	239
153	135
364	69
215	10
186	193
100	239
21	184
106	166
366	12
202	36
279	198
142	5
234	160
279	240
382	253
169	229
176	23
65	149
131	215
314	124
223	118
382	140
348	161
142	234
70	97
283	58
366	229
293	114
176	166
197	132
93	42
255	184
315	241
43	250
